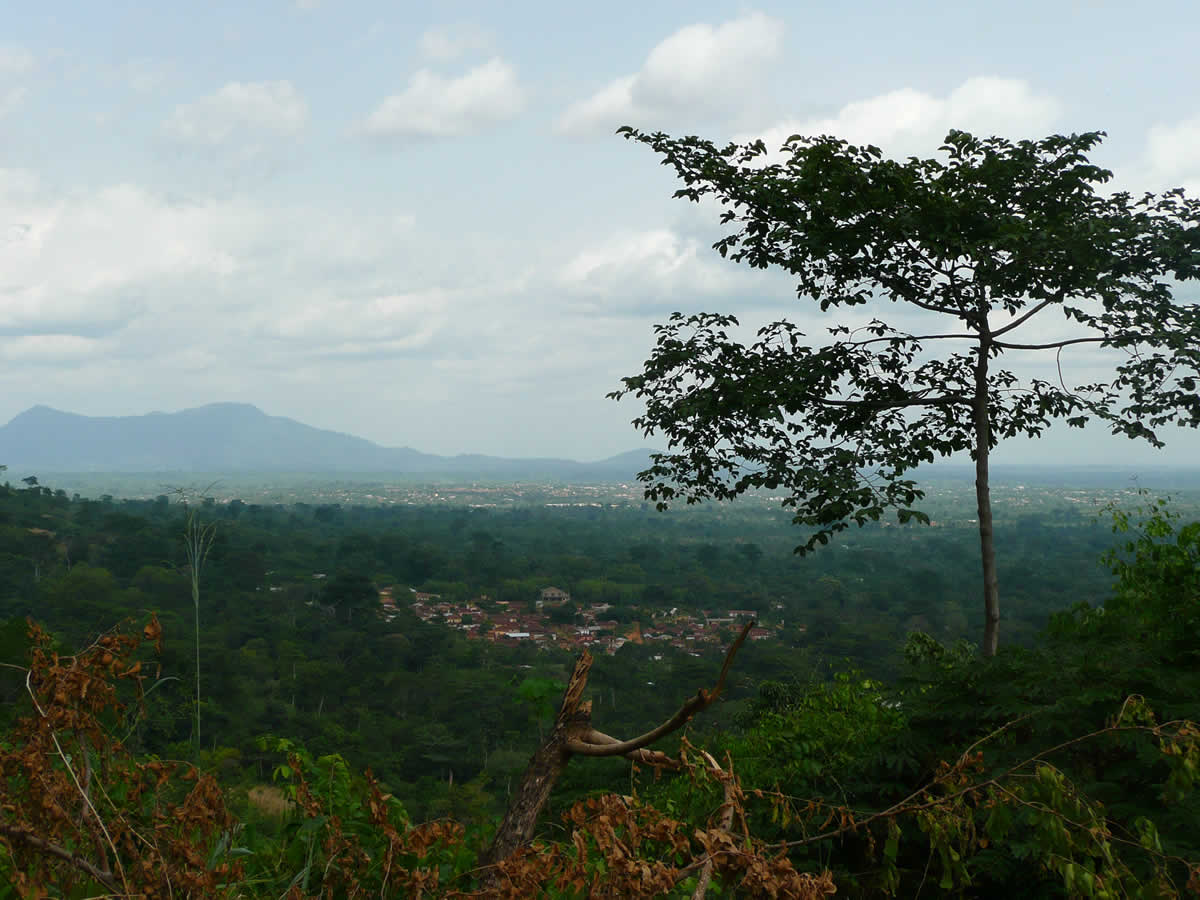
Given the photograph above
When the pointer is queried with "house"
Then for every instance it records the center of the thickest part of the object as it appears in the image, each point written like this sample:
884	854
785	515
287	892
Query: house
554	596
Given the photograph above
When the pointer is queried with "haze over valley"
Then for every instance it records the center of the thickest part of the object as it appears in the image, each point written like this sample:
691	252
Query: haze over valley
240	438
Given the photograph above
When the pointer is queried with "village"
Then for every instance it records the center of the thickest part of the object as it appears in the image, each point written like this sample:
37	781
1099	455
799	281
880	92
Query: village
508	623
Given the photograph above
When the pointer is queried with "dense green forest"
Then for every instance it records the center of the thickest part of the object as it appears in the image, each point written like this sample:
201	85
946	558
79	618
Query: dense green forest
841	704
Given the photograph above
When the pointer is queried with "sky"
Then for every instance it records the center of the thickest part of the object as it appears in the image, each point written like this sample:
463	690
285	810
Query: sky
412	222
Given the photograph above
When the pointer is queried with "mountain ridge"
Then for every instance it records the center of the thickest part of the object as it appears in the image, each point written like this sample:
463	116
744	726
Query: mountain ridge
240	437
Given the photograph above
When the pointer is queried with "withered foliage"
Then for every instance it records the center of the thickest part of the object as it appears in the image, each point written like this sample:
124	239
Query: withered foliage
621	847
78	812
618	847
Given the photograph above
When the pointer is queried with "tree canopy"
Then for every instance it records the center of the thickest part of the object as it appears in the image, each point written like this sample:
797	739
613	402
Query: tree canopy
995	237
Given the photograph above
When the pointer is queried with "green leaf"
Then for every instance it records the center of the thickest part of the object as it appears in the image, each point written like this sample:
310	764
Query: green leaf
891	847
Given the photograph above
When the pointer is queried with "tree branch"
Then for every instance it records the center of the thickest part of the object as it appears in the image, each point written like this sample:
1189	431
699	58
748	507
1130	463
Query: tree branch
71	771
693	705
573	734
103	876
913	337
1053	346
727	808
948	400
932	307
1057	298
654	758
576	685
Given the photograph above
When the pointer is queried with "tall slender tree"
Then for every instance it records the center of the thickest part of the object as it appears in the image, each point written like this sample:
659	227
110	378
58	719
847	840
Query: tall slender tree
994	236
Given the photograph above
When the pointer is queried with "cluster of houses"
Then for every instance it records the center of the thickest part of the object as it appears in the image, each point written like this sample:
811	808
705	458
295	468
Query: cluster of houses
503	622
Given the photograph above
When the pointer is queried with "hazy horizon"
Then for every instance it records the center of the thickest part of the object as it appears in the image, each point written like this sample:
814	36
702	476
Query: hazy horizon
1001	470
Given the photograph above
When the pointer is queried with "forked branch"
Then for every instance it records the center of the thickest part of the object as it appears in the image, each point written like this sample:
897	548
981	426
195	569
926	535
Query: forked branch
594	743
573	735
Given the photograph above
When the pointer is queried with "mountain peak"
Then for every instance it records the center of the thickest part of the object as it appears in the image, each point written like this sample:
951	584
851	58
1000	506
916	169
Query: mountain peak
40	413
227	408
230	404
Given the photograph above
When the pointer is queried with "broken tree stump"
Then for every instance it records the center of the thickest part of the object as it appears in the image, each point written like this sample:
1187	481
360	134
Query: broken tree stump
573	735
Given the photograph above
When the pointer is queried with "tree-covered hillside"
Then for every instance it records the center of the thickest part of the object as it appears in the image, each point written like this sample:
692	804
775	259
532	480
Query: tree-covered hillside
317	657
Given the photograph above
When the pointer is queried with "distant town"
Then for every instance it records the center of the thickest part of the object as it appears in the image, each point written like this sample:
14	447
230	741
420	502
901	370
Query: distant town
949	491
504	622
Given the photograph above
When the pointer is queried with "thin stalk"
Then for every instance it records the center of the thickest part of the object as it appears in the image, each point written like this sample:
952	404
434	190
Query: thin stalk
198	540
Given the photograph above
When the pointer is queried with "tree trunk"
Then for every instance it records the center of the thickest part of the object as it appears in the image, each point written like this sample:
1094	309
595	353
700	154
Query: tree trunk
573	735
544	769
983	497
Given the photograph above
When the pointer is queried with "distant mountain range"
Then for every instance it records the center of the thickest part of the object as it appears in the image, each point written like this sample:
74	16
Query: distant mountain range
238	437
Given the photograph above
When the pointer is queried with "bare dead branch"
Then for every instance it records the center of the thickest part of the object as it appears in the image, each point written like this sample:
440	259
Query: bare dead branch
693	705
573	735
103	876
576	685
681	717
82	793
727	808
655	758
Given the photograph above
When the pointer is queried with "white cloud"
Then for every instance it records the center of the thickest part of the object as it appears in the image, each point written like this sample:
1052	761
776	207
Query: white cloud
181	287
1173	151
50	348
434	106
1169	157
699	69
239	111
700	61
448	42
659	253
1005	106
91	262
14	60
391	322
910	122
646	270
604	111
